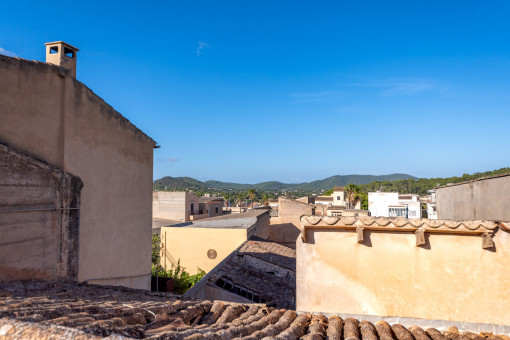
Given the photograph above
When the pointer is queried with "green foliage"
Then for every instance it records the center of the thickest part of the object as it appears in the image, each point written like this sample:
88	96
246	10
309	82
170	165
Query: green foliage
191	184
329	192
183	281
265	200
352	192
240	197
156	247
363	196
402	183
421	185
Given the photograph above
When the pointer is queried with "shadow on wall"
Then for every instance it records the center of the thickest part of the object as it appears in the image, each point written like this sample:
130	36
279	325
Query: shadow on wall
284	233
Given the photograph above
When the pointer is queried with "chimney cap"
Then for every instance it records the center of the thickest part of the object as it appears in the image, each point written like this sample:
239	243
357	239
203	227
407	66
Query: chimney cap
61	43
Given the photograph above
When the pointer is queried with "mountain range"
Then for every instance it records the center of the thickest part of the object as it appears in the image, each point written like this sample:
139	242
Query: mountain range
188	183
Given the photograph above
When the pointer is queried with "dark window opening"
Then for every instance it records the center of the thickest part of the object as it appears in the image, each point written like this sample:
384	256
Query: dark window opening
53	49
68	52
216	210
225	284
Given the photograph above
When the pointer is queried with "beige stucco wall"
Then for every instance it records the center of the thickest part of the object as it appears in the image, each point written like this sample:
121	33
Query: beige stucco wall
487	199
285	228
174	205
47	113
452	278
191	244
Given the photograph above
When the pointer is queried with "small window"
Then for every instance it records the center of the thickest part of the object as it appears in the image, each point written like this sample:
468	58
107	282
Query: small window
68	52
338	198
53	49
216	210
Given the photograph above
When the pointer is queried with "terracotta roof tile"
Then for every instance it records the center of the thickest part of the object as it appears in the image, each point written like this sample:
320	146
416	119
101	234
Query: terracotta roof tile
50	310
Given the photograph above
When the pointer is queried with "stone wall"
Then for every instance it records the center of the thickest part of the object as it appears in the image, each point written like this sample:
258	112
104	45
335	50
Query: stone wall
482	199
39	219
49	114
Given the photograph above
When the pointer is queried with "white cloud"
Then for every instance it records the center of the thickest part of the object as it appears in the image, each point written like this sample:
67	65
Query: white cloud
321	97
169	159
202	46
401	86
7	53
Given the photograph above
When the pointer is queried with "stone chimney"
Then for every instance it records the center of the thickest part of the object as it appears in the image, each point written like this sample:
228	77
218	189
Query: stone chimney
62	54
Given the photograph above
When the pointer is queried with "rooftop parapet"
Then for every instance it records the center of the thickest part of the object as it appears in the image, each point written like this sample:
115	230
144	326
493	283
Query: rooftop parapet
486	229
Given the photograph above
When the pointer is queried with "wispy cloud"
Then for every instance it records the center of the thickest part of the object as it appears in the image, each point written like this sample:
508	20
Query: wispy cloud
202	46
318	97
401	86
170	160
7	53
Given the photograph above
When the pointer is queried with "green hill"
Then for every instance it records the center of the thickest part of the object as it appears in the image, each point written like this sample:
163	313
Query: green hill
187	183
421	185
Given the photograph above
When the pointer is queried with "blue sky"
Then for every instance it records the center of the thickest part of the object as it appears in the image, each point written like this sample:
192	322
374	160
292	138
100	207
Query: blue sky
251	91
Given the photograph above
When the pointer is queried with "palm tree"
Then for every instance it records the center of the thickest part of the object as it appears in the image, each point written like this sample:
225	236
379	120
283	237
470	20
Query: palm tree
240	198
226	197
251	195
352	194
265	200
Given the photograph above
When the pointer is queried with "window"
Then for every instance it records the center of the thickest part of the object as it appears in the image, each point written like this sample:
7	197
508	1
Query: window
192	208
53	49
227	285
398	212
68	52
216	210
338	198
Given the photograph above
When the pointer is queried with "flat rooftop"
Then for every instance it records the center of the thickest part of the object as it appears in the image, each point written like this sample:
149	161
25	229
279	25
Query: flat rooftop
229	221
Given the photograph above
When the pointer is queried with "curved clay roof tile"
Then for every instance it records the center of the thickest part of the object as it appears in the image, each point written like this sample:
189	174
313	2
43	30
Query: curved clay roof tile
313	220
415	222
400	222
452	224
348	220
472	225
367	220
435	223
383	221
330	219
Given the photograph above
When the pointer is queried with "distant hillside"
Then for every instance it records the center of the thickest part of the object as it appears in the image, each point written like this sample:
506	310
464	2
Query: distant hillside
187	183
330	182
421	185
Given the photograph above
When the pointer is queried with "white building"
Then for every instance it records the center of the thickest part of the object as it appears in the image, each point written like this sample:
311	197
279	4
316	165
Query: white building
391	204
431	205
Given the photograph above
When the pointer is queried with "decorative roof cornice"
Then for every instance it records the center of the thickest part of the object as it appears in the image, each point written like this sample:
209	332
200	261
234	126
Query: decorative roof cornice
418	226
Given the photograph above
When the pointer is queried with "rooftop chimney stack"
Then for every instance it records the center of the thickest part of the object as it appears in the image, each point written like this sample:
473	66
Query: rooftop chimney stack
62	54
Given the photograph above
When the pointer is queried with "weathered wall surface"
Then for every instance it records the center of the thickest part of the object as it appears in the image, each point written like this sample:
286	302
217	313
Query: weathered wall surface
39	219
200	248
486	199
174	205
451	278
169	205
285	227
47	113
